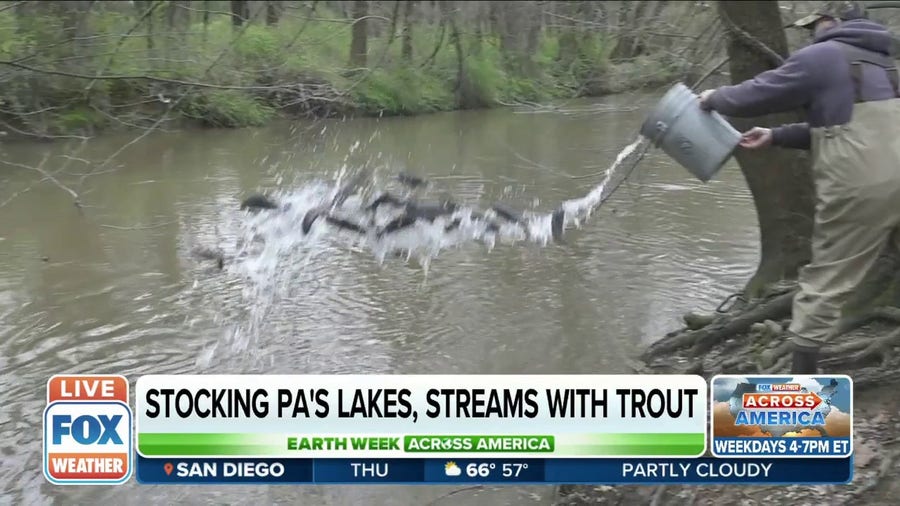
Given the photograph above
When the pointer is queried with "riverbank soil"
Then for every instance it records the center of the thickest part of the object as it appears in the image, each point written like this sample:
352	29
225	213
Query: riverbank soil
749	339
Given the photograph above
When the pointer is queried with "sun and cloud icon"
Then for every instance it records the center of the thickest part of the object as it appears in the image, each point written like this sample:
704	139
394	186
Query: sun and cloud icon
451	469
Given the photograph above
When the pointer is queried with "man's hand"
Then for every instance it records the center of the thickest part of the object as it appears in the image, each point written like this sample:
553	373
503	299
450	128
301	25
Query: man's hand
704	99
756	137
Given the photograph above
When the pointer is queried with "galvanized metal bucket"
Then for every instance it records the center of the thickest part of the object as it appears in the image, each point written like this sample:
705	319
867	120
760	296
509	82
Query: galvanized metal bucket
698	140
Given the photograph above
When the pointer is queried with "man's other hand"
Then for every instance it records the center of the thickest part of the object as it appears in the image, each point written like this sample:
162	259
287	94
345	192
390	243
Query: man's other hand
704	99
756	137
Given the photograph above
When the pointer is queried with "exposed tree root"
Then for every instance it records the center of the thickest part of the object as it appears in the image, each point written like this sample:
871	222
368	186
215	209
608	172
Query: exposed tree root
779	366
879	348
843	349
773	309
723	327
874	377
891	314
887	463
749	340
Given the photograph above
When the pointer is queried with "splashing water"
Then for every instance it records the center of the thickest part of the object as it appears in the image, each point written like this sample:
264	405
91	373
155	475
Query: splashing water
270	237
273	253
578	210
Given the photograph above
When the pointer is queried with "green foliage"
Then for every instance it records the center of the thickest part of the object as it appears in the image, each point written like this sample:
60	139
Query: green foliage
10	44
227	108
263	64
258	47
485	84
80	119
402	91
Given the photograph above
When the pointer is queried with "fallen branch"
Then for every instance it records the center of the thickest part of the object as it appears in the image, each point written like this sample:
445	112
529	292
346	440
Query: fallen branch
139	227
142	77
48	176
37	135
16	194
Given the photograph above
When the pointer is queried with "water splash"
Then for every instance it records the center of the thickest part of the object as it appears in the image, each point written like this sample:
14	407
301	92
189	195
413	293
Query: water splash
273	257
578	210
269	239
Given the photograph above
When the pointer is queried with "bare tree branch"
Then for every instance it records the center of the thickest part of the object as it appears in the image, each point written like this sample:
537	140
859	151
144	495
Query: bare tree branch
40	169
302	27
172	106
141	77
139	227
40	136
11	6
134	27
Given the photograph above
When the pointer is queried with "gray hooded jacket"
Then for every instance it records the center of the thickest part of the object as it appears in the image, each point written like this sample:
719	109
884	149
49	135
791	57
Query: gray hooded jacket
816	78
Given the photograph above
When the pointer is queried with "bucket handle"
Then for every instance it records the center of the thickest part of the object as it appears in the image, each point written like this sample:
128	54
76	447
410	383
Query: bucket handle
661	129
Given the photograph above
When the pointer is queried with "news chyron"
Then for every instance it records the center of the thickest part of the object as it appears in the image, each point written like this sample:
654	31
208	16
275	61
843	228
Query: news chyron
448	429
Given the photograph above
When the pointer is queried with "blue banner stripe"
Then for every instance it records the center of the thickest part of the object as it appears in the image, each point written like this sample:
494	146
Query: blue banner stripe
706	470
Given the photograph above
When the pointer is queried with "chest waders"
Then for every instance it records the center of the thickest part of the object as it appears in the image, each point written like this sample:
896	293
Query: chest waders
856	170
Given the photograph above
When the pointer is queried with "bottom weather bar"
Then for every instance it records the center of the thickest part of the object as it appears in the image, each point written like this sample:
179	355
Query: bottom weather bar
706	470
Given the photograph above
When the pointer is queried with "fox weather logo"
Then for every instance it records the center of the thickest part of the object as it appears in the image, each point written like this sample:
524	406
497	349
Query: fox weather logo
87	430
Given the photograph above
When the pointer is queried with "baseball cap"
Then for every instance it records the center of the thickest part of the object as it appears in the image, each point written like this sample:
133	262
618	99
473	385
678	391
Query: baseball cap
843	10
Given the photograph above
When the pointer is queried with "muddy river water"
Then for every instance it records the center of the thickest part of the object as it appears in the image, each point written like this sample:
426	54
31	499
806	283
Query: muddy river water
113	288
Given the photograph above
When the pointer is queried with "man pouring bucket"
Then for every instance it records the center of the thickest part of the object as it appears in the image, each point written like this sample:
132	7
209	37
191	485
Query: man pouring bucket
847	82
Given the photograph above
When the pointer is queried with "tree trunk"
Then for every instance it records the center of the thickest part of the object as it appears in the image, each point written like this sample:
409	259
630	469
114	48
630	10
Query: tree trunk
495	15
360	38
628	34
74	18
780	180
596	13
478	40
206	7
621	32
510	15
533	19
273	12
178	17
644	41
568	32
519	31
395	17
150	34
448	13
407	47
240	12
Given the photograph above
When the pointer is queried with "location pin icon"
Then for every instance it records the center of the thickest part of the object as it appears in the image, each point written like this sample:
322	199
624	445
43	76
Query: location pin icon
167	467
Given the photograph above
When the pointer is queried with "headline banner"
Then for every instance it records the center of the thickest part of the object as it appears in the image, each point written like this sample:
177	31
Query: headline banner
421	416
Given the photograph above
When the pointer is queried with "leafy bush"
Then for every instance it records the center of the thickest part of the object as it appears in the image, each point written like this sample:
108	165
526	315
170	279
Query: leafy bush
297	50
227	108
